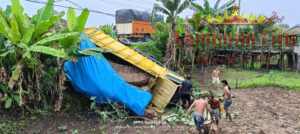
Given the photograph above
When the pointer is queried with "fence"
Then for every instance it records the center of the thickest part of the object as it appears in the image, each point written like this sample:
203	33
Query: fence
242	41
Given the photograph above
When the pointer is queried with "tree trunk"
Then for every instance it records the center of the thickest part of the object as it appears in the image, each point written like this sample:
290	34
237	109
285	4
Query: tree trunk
60	86
170	52
193	60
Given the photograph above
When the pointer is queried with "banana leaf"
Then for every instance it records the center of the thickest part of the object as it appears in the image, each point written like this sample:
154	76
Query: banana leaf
81	20
44	13
18	12
77	26
56	37
90	52
16	35
71	17
44	25
7	12
4	27
49	51
28	35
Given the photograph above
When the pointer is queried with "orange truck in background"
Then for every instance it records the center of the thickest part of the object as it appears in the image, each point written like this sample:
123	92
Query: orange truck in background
142	27
134	29
133	24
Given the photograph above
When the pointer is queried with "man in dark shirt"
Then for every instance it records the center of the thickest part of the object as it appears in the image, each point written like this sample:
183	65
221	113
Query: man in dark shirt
186	92
183	93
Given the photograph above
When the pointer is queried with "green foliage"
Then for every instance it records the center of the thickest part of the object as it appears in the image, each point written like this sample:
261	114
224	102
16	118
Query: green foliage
252	79
11	126
180	28
213	10
75	24
156	47
28	41
208	13
109	30
178	115
284	80
171	9
161	35
150	49
109	112
10	97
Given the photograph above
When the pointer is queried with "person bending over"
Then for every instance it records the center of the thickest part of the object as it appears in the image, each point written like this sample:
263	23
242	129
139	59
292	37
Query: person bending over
199	106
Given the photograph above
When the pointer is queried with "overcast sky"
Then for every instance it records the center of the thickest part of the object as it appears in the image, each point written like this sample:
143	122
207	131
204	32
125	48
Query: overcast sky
290	9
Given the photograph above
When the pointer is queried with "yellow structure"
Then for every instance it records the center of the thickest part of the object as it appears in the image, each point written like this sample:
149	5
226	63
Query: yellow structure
167	82
107	43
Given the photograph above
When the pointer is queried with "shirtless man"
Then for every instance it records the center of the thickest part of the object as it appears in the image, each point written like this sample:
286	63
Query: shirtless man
216	76
199	107
227	99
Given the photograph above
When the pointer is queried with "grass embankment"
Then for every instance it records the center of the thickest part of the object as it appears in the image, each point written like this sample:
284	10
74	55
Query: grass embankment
252	79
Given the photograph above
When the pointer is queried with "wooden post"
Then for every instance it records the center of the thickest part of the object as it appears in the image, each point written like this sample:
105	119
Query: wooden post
281	63
252	61
242	59
290	60
298	62
294	61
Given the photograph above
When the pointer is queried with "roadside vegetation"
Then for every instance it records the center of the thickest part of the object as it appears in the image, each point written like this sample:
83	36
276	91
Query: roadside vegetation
32	52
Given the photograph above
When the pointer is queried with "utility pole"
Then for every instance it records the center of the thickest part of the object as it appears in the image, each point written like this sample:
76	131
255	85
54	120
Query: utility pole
240	6
239	13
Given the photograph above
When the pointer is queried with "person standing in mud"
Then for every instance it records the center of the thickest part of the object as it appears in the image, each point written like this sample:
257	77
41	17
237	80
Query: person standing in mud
215	107
199	105
227	98
215	76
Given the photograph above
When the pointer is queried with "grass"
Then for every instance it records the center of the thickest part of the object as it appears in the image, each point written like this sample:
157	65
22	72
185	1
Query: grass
252	79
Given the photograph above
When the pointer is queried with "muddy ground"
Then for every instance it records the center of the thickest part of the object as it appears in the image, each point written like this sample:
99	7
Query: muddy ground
264	111
255	111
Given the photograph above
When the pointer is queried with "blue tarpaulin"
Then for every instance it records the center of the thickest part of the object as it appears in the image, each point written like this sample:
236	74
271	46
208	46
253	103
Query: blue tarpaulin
95	77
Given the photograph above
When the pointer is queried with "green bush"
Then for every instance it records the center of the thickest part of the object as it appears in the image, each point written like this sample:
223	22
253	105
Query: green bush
150	49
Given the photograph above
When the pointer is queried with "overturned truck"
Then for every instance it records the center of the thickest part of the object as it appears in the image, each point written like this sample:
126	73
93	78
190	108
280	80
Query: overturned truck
154	87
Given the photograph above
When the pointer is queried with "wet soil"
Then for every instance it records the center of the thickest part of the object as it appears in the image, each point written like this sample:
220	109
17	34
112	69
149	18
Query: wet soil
255	111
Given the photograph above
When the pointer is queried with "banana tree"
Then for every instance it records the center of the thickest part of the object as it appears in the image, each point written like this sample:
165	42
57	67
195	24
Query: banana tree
213	10
171	8
207	14
27	38
109	29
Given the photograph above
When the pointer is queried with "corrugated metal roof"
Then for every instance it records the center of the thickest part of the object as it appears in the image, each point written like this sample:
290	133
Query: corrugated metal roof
294	30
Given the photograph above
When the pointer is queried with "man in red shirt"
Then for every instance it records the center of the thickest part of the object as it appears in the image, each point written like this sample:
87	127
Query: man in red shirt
215	107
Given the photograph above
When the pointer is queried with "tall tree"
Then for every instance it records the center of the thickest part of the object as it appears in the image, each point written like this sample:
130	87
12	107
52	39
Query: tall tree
213	10
171	8
205	13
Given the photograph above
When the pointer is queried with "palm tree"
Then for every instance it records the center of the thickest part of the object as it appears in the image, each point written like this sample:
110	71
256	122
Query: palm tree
204	14
216	9
171	8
